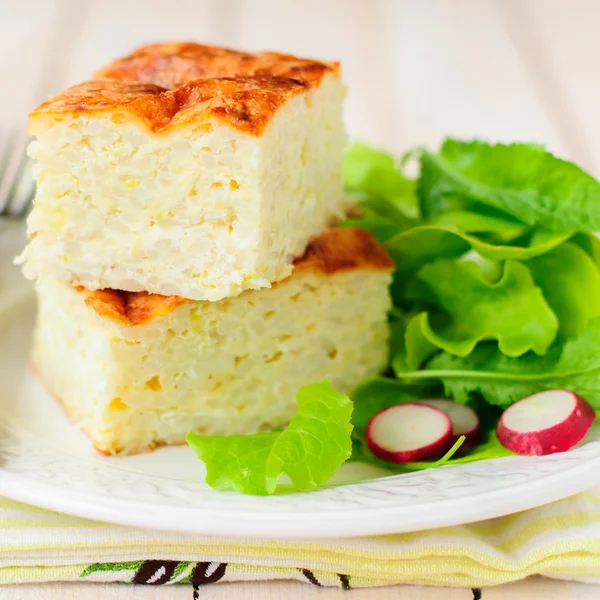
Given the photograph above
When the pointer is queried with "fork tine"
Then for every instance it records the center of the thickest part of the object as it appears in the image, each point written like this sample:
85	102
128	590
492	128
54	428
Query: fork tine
23	191
13	169
5	144
22	180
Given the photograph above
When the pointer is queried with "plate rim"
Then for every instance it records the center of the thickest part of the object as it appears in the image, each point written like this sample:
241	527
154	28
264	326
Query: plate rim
381	520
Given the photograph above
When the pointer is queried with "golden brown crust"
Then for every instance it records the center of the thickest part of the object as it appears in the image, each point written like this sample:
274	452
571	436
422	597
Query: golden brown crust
336	250
169	85
129	308
171	65
244	104
344	249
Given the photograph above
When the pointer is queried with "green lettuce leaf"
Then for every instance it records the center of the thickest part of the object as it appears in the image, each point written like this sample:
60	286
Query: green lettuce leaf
413	248
377	174
387	199
522	179
381	227
590	243
418	344
570	281
497	227
512	311
310	450
573	364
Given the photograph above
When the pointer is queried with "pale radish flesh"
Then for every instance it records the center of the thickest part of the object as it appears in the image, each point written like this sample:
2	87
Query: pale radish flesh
409	433
545	423
464	419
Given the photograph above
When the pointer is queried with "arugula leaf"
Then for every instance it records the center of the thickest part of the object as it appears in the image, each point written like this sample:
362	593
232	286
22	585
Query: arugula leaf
511	310
522	179
570	281
573	365
310	450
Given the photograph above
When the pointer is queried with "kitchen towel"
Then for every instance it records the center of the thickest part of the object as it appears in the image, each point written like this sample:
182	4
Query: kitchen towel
559	540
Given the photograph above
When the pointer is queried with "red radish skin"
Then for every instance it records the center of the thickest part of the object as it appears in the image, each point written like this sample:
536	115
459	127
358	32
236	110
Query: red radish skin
545	423
409	432
465	420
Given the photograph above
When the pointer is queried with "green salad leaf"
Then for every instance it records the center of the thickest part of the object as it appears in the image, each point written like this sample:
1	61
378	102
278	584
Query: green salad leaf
374	218
387	199
419	344
570	281
590	243
573	364
471	309
493	227
523	180
310	450
413	248
377	174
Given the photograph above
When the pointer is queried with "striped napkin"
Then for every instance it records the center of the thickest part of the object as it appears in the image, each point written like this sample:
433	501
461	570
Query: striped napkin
560	540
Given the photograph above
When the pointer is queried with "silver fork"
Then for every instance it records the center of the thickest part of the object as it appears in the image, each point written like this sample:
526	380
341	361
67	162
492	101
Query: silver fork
17	187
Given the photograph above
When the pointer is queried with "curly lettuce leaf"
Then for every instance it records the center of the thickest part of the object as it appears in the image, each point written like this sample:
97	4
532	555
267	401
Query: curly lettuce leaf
413	248
494	227
512	311
573	364
570	281
522	179
310	450
590	243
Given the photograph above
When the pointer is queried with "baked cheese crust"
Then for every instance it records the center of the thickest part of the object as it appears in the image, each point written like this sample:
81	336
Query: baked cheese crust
173	64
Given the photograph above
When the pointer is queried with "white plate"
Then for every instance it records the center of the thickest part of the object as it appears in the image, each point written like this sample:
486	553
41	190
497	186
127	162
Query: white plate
45	461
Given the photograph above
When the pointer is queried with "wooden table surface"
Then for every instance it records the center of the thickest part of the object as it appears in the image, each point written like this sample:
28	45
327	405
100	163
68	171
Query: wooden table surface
417	70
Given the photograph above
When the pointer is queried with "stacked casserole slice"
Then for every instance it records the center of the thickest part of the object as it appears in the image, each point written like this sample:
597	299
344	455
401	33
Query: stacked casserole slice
189	276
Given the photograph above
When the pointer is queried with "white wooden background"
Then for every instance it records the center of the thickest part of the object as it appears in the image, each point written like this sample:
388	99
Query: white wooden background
417	70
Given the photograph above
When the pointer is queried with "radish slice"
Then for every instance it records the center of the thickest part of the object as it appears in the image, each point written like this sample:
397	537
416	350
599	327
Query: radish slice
545	423
464	419
408	433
